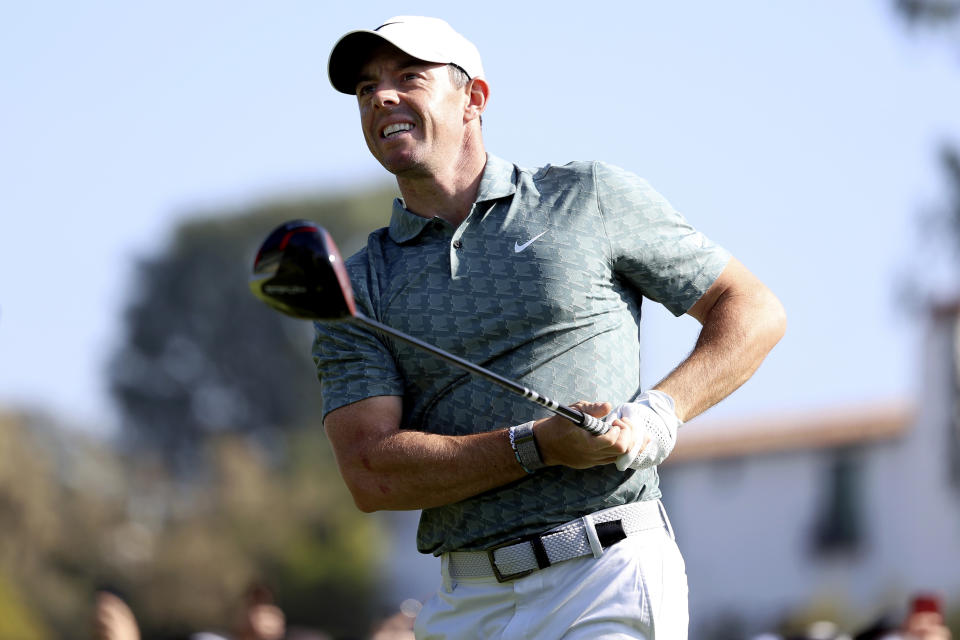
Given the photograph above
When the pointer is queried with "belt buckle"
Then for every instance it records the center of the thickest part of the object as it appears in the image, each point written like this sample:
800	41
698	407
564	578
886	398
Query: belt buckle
505	577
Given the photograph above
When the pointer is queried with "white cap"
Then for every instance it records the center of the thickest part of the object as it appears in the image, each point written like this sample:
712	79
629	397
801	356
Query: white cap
427	39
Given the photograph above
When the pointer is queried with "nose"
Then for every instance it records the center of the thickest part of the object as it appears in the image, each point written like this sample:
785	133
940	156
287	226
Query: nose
385	96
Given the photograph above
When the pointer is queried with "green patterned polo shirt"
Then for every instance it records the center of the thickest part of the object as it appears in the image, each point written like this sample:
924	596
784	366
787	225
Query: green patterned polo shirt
542	283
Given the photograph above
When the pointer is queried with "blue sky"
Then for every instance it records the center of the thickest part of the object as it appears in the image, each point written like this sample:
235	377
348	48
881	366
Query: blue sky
801	135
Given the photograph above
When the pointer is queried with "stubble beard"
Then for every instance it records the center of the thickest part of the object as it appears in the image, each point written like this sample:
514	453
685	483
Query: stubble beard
410	166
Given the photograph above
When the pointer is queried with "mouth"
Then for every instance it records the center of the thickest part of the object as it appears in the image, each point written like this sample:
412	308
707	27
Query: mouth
395	129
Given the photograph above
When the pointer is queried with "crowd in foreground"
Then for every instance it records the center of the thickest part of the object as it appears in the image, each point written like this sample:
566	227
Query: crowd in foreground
260	618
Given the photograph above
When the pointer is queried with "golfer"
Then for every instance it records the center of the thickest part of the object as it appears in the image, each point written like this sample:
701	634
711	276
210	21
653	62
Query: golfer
544	530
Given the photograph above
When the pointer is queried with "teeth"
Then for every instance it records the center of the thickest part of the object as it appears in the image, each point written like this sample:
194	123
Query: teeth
394	128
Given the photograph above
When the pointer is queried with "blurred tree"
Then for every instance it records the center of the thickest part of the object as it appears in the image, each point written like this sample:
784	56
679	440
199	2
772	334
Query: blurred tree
234	482
16	619
935	272
74	517
941	228
200	354
929	12
58	491
949	214
293	528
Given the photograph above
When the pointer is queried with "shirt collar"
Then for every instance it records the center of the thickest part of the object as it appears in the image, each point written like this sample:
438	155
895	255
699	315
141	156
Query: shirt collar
405	225
498	181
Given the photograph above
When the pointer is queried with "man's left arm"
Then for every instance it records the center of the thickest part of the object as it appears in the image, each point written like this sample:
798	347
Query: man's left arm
742	321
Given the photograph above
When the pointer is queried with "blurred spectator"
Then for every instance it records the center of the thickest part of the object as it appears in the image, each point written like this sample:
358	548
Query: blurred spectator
113	619
823	630
259	618
924	621
399	626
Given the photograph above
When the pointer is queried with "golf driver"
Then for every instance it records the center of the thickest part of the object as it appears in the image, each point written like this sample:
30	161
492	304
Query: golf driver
299	272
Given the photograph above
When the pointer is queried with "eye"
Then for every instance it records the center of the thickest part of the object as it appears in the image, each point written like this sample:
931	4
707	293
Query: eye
364	89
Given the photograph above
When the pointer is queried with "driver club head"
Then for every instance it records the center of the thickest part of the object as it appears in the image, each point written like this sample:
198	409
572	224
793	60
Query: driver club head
299	272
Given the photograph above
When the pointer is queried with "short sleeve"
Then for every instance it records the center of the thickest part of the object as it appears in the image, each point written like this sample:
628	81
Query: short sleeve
652	245
353	363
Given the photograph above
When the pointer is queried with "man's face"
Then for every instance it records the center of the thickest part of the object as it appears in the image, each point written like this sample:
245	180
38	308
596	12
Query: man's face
411	113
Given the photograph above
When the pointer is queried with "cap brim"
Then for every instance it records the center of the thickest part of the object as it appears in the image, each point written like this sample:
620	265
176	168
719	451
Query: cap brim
348	57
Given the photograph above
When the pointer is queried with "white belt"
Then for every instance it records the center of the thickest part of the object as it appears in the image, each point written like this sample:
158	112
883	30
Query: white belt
585	536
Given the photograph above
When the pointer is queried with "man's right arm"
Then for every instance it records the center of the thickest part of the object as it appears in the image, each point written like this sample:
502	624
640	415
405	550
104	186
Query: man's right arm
386	467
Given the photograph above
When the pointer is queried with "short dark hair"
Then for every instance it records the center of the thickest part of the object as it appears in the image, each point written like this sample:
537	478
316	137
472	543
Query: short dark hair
459	78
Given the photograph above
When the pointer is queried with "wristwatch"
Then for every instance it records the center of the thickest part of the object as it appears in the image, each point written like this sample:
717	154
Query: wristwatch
524	446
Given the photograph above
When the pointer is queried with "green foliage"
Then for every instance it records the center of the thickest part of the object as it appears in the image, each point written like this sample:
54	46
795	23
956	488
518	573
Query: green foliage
16	620
928	12
56	497
290	526
76	516
950	162
200	354
225	478
952	619
939	241
217	387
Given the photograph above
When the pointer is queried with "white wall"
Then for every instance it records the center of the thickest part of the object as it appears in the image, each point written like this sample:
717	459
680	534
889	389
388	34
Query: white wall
744	524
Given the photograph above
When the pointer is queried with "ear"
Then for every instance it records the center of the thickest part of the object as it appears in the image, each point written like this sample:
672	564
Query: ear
478	92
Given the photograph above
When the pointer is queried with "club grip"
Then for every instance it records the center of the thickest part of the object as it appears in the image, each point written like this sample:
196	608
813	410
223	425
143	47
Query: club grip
596	426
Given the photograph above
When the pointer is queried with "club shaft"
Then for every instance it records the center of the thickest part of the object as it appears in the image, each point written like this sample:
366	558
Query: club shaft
590	423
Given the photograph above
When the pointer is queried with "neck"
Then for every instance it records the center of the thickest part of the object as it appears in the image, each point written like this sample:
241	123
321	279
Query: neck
447	193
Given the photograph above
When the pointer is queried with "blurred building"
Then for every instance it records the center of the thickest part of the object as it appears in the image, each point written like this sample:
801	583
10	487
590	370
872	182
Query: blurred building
849	510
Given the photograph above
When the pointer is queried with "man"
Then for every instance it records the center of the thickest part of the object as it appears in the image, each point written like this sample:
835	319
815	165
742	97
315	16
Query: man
544	530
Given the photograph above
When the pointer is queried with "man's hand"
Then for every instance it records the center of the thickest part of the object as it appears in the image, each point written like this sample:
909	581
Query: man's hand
563	443
652	415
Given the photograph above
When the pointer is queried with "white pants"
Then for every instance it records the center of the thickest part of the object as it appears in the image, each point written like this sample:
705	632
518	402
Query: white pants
636	589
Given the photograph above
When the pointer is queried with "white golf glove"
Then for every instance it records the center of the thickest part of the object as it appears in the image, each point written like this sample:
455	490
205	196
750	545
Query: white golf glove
653	413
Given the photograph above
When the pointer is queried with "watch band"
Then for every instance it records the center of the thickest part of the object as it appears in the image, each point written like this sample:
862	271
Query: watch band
524	447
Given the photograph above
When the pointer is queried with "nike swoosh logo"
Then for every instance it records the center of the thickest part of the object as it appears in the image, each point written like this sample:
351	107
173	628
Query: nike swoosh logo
517	247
